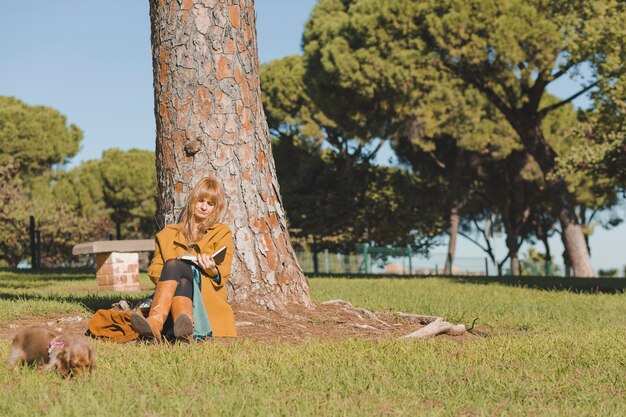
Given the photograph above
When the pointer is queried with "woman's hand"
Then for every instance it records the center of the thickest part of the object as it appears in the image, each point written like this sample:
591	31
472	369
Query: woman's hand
208	264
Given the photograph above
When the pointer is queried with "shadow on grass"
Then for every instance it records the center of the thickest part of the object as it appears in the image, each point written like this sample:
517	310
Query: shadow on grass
11	289
48	274
583	285
92	302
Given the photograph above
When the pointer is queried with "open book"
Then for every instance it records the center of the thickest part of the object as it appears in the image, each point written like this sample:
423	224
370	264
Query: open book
218	256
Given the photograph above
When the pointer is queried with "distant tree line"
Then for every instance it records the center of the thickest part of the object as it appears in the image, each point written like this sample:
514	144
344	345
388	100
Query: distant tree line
109	198
459	88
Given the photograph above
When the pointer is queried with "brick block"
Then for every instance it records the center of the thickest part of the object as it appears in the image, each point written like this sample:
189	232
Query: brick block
103	258
125	258
104	280
104	269
117	261
118	279
118	271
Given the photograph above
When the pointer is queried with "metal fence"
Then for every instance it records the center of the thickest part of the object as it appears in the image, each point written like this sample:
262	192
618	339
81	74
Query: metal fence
370	262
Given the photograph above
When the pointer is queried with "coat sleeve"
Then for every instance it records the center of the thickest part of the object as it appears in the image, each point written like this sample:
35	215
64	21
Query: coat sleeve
224	238
156	265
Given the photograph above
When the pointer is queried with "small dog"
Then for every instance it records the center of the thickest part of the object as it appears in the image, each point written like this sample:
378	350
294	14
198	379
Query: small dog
51	350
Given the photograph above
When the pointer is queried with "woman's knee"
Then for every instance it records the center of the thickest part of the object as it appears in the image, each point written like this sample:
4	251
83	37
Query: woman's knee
175	269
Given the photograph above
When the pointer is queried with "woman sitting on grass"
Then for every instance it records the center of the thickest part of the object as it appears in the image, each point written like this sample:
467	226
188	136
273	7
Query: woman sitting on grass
193	292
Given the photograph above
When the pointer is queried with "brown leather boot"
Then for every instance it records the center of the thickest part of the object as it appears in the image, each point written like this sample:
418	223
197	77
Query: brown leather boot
161	302
182	314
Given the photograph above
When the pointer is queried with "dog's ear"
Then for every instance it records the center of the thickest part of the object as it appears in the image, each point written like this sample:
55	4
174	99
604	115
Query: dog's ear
58	361
81	358
63	364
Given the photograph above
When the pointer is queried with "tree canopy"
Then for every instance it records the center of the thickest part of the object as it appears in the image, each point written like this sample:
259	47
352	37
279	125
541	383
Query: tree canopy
34	138
69	207
129	189
330	189
375	64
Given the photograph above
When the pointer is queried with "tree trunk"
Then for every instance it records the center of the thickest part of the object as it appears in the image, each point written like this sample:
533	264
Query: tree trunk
210	122
315	259
512	246
455	218
572	234
548	261
515	271
586	223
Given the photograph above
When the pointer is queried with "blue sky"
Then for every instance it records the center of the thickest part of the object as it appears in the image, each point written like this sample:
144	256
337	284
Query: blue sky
91	61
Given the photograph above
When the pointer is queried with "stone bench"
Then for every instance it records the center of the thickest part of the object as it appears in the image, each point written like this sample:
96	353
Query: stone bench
117	262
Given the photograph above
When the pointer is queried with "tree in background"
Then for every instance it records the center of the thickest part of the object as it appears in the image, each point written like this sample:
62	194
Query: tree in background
210	121
512	51
319	183
340	203
116	192
97	201
456	161
330	189
602	130
33	139
82	188
129	191
13	217
373	64
69	207
600	156
366	74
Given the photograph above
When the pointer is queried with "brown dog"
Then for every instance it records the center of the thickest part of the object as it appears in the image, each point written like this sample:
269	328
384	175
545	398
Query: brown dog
70	355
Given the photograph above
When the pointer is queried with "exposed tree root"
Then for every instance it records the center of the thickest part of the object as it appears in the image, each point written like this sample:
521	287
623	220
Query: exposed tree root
433	325
348	307
366	326
435	328
334	320
416	318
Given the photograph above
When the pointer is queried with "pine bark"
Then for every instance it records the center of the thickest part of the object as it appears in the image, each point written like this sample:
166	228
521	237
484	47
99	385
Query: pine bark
210	121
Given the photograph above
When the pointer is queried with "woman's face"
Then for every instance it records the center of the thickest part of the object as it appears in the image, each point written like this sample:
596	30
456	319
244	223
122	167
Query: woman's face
203	209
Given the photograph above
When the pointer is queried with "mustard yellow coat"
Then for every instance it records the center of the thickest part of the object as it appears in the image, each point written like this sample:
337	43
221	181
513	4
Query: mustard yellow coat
171	244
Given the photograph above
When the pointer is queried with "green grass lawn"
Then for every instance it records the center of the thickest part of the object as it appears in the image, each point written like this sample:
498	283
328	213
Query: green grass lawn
549	353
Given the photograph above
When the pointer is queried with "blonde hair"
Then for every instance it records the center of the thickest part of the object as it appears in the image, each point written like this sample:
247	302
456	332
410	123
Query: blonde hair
207	189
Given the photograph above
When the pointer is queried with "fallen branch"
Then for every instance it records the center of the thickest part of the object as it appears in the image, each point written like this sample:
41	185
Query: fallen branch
435	328
423	320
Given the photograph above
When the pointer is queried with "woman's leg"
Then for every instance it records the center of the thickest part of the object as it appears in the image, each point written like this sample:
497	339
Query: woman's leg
173	272
182	309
